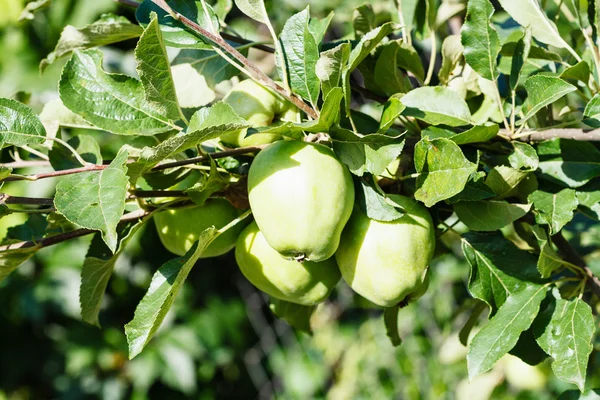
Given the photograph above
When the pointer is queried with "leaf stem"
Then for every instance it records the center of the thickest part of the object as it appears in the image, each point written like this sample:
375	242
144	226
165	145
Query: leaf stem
432	58
71	149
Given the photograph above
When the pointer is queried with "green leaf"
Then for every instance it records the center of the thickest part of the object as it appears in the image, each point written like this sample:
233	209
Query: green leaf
370	153
443	170
437	105
519	59
535	52
392	109
565	332
330	66
255	9
174	32
571	162
214	68
301	53
409	60
19	125
206	124
592	112
96	199
55	115
364	20
207	186
523	157
504	180
12	258
593	394
489	215
474	190
367	43
480	39
549	261
390	319
502	332
555	209
477	134
96	271
107	30
318	27
578	72
529	14
386	74
155	72
165	285
543	90
86	146
296	315
452	53
498	268
112	102
373	202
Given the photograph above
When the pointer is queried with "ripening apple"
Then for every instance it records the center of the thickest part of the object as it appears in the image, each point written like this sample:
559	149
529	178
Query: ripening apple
305	283
179	228
260	107
386	262
301	197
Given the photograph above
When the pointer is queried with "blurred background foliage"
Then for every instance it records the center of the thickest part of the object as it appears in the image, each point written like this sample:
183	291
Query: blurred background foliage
221	340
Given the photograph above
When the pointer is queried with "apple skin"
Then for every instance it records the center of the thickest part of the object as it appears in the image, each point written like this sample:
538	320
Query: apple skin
306	283
386	262
259	107
178	229
301	196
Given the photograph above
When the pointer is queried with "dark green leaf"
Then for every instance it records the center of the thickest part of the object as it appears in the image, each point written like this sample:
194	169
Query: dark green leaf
386	74
523	157
480	39
437	105
301	53
578	72
592	112
165	286
392	109
474	190
443	170
363	20
504	180
489	215
543	90
113	102
570	162
96	199
10	259
154	70
520	58
19	125
565	332
374	203
549	261
502	332
554	209
86	146
107	30
498	268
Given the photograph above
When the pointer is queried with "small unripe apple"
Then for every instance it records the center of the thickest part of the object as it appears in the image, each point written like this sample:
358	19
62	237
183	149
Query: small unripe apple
179	228
301	197
305	283
386	262
260	107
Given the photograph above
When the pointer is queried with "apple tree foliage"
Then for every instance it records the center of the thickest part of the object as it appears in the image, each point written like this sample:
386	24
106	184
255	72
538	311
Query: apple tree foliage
484	115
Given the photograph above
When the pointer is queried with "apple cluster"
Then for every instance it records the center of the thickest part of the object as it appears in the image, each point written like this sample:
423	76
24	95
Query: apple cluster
307	231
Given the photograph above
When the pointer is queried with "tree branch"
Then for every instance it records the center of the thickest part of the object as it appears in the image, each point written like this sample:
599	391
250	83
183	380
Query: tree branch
62	237
36	201
188	161
573	257
587	135
258	75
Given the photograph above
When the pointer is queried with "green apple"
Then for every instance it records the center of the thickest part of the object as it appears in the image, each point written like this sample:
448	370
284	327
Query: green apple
305	283
179	228
301	197
386	262
260	107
